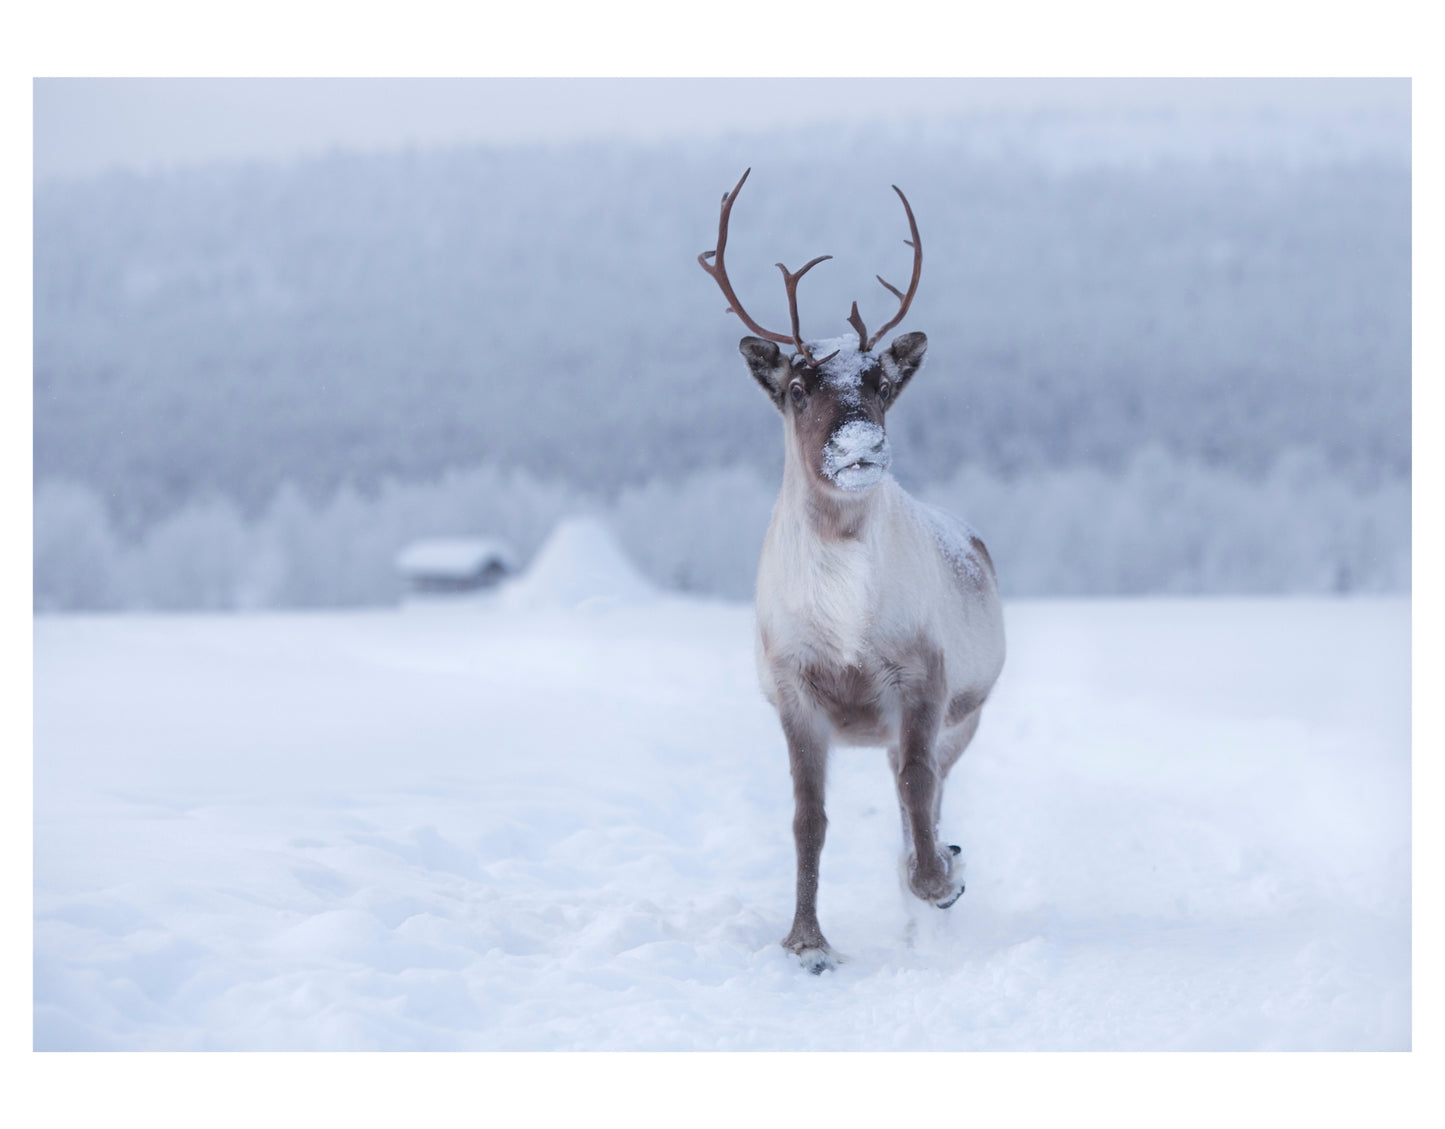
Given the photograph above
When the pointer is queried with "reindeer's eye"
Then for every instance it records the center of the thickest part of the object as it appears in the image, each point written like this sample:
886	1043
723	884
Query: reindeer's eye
884	388
798	393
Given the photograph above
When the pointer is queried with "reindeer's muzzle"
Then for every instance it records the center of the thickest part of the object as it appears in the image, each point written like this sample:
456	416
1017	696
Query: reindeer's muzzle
857	455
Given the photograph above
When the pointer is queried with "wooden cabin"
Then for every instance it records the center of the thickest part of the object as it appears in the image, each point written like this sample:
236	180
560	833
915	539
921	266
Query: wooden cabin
442	565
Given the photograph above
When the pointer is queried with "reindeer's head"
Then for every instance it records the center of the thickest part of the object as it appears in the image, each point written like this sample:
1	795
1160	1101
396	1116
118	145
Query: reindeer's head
834	404
835	409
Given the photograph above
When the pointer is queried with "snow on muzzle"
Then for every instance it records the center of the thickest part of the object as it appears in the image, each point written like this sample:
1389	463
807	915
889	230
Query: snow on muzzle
857	456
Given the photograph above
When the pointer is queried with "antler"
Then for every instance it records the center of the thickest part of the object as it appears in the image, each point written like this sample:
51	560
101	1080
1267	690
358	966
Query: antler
857	323
791	282
866	343
719	271
720	276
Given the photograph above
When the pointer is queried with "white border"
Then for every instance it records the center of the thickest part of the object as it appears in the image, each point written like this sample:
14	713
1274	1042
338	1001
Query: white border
742	38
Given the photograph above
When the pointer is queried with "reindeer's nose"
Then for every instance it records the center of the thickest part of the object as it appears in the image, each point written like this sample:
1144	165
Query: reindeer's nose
856	455
858	439
869	452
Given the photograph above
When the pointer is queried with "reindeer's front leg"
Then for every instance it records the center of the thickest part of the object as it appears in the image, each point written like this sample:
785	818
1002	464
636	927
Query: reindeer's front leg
808	757
920	783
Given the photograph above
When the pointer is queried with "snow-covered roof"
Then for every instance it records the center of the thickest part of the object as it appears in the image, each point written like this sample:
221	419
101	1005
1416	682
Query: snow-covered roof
453	557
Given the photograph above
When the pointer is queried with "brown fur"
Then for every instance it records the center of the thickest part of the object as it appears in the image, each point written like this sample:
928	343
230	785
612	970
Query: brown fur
961	705
980	550
849	695
836	519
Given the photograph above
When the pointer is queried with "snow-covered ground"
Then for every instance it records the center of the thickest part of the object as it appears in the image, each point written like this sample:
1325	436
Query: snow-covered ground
509	823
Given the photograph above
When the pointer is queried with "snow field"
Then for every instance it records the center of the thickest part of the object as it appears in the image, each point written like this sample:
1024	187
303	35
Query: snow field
494	825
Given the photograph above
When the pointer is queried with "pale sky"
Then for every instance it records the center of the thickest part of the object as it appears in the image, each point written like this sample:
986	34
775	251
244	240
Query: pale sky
89	125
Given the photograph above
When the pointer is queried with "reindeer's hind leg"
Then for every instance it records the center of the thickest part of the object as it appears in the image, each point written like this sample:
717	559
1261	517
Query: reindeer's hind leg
808	757
951	745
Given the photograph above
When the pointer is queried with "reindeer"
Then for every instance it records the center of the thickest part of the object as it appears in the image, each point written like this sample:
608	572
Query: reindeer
878	617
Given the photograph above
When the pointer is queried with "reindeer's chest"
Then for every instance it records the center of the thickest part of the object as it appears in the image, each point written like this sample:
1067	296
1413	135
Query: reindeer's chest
819	602
822	643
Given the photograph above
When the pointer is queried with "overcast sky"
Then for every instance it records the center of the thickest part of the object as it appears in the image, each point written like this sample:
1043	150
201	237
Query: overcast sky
89	125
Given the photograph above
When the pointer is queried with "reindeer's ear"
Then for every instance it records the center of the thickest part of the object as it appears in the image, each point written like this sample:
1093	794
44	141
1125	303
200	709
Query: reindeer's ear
768	366
903	358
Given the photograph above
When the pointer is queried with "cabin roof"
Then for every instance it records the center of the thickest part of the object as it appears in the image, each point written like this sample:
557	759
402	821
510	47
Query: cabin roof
453	557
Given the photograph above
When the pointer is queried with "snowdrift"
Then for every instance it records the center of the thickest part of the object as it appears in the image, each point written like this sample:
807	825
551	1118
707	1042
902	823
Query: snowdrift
580	567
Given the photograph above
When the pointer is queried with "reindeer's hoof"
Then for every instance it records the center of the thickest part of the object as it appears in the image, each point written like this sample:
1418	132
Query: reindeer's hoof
940	885
945	905
817	961
956	850
811	950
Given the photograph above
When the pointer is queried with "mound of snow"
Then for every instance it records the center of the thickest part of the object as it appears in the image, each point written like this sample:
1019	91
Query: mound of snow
581	565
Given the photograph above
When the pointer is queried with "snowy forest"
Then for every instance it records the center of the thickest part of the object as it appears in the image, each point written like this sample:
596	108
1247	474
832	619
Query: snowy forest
1167	353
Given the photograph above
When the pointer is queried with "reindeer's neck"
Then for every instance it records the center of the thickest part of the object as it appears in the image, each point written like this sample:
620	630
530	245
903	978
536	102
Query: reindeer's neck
818	577
823	514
